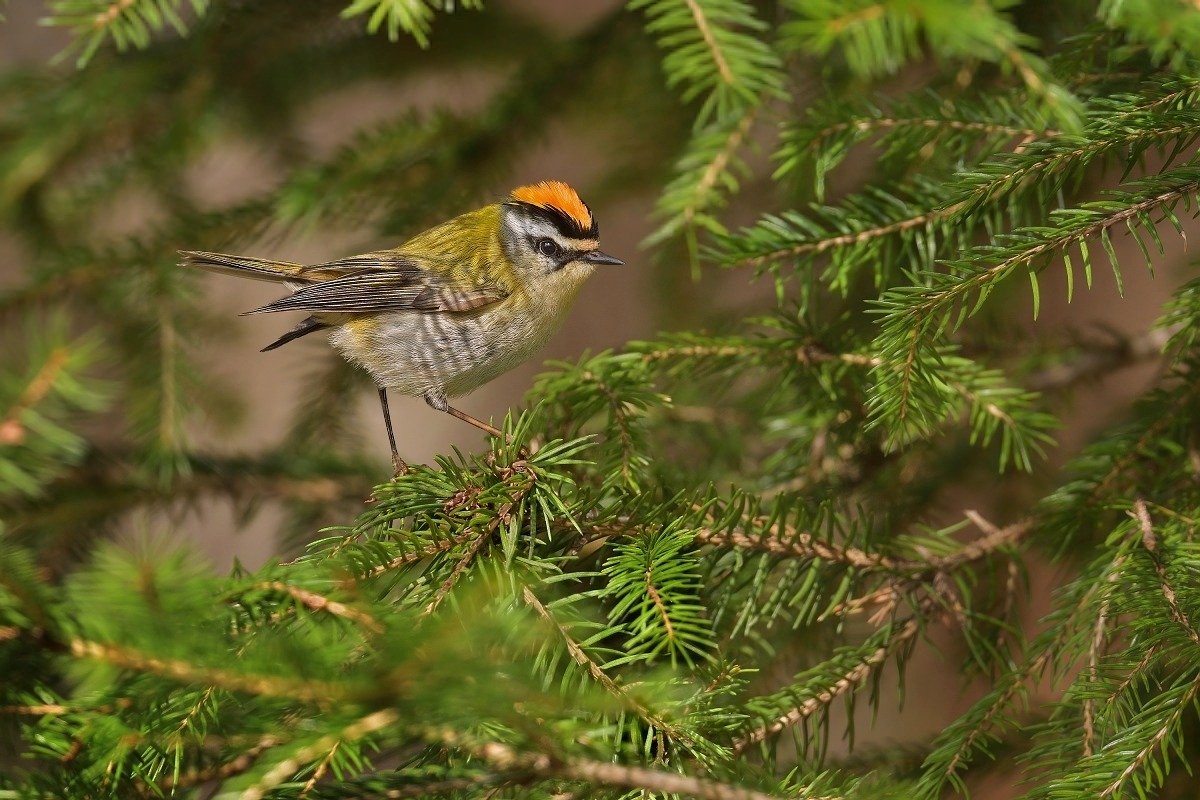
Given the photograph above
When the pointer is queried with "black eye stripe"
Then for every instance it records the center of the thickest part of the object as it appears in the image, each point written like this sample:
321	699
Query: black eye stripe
563	255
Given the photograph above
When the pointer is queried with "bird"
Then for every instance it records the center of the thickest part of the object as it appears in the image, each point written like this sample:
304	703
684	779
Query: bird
449	309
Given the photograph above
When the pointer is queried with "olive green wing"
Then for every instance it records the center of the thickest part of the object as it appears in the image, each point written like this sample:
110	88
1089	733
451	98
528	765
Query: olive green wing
383	281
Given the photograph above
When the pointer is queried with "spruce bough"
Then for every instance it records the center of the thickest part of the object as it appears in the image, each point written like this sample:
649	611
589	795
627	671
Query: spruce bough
691	559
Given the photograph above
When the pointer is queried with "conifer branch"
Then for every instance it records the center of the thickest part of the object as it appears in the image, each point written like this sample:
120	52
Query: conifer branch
241	764
1099	634
1014	685
848	682
188	672
580	657
710	42
319	602
42	383
364	726
620	417
481	539
524	766
1170	720
818	246
1150	542
603	773
1120	466
782	541
1137	673
1091	226
413	556
886	123
692	506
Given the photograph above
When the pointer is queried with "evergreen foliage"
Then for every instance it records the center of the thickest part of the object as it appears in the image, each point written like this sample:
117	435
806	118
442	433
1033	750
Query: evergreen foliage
692	559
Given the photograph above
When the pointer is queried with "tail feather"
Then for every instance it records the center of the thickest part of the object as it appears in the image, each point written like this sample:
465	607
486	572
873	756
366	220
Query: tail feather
262	269
304	328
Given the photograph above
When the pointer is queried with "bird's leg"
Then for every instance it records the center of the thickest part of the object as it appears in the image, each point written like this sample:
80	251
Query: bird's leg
438	400
478	423
398	465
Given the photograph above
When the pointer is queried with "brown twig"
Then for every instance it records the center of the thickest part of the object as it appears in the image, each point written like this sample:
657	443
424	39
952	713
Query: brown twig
106	17
42	710
1098	360
713	172
884	123
656	598
1015	684
850	239
321	769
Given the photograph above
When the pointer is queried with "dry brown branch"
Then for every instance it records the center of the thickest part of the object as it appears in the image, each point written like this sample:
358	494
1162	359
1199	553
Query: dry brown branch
321	769
1097	360
993	539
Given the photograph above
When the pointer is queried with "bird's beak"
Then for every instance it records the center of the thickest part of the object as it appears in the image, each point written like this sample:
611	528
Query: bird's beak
596	257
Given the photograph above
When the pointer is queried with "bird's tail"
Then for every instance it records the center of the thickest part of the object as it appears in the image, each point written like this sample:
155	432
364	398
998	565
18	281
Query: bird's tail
243	266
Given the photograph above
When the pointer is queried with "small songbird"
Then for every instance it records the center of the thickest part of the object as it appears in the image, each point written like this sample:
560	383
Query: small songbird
451	308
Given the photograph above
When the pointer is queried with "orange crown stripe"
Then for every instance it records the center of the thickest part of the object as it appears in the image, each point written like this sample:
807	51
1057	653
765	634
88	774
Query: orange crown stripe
557	195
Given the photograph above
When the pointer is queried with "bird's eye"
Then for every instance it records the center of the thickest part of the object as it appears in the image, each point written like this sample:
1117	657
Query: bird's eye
547	247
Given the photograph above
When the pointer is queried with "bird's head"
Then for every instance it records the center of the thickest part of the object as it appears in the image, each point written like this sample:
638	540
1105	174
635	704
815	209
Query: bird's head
550	236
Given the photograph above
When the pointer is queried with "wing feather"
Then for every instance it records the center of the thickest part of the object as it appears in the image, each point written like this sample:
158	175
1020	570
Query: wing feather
391	290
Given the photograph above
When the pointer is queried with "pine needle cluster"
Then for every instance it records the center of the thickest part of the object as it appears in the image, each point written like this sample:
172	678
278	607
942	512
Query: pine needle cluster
694	562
